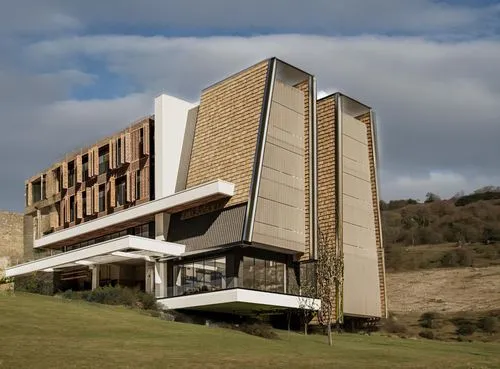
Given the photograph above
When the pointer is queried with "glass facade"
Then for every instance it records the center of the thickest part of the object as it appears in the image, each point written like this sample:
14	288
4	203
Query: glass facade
266	271
263	275
204	275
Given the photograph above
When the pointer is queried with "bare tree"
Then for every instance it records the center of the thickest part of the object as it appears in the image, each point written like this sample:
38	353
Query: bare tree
330	279
307	306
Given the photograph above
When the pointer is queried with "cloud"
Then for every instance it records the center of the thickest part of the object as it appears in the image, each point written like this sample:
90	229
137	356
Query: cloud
436	101
443	183
319	16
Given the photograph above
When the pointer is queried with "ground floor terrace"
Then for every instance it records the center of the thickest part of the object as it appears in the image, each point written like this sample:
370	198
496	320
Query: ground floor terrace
239	279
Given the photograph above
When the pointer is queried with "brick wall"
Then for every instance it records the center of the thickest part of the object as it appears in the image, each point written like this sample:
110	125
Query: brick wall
226	131
326	166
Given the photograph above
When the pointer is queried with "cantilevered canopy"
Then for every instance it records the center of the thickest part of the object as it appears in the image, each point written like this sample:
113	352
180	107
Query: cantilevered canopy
241	301
119	249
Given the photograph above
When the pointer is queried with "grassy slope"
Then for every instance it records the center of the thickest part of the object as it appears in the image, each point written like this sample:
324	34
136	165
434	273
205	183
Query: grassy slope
45	332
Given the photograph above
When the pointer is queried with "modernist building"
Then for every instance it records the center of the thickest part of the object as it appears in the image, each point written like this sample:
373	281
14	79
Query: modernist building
218	206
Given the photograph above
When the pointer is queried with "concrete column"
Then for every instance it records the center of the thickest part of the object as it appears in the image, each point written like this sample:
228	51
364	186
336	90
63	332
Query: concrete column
95	277
162	221
150	277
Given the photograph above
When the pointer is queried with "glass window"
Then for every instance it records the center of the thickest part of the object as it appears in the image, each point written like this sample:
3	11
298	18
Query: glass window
36	188
138	184
219	275
248	272
118	152
72	209
102	198
260	274
71	174
200	276
121	191
85	167
84	202
103	159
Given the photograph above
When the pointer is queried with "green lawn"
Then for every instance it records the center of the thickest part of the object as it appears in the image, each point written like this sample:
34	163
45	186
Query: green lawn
46	332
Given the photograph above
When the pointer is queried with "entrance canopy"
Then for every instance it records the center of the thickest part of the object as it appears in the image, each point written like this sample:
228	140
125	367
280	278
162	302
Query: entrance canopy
116	250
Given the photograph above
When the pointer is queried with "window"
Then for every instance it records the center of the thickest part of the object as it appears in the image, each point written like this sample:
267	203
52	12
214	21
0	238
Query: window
57	179
141	142
118	152
121	191
138	185
72	209
84	202
103	159
204	275
85	167
263	275
36	190
143	231
71	174
44	187
102	198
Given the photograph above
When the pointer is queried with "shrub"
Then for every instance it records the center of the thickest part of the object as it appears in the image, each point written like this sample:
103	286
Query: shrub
458	257
110	295
427	334
489	324
466	329
148	301
431	320
259	330
39	282
391	325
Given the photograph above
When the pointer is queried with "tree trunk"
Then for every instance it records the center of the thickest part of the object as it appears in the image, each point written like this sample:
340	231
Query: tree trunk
330	341
305	328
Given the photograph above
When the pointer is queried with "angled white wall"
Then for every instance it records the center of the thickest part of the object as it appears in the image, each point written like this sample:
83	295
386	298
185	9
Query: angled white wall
171	115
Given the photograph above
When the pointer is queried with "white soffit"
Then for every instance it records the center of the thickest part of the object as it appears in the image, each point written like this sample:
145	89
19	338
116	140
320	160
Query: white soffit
104	252
191	195
237	295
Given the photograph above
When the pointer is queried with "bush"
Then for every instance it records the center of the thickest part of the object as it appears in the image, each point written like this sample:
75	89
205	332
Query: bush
391	325
458	257
465	328
431	320
110	295
489	324
427	334
259	330
41	283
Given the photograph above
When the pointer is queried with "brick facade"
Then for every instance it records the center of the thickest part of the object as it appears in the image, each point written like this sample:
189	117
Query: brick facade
68	192
226	131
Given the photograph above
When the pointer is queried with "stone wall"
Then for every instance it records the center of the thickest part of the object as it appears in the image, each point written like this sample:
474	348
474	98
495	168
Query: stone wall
11	237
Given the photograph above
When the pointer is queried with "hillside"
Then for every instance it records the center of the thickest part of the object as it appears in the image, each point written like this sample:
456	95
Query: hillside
444	290
61	333
469	221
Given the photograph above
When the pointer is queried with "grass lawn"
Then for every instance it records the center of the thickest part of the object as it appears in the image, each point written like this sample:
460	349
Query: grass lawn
46	332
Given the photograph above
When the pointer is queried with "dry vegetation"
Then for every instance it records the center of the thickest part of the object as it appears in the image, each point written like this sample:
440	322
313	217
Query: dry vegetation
444	290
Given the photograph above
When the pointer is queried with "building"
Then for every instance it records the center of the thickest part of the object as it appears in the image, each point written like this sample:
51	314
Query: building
219	206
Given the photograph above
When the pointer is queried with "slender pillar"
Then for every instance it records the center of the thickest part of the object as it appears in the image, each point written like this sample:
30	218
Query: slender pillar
150	277
95	276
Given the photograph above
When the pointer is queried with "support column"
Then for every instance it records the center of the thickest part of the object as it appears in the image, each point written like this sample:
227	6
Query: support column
162	221
95	276
150	277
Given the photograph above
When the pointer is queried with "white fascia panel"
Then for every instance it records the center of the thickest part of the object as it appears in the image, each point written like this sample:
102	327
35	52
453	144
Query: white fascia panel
104	248
170	125
217	187
240	296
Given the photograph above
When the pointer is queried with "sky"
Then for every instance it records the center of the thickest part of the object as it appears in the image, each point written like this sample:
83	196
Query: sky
71	72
